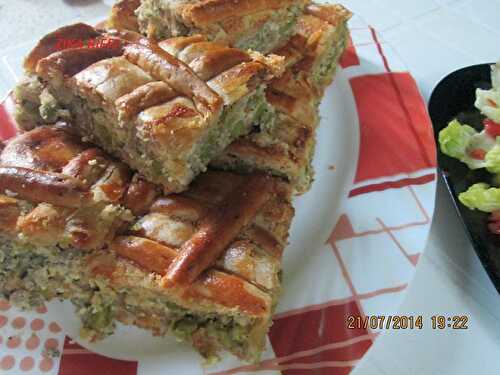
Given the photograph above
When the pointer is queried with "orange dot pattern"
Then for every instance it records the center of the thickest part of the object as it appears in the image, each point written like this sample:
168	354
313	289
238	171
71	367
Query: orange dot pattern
46	364
37	324
27	364
33	342
51	344
13	342
7	362
54	327
38	362
19	322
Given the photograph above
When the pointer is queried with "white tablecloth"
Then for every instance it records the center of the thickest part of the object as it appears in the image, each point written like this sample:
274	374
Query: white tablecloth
433	37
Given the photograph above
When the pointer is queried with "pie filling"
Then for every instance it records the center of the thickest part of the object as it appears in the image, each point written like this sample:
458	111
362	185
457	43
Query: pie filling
37	105
33	275
158	20
287	160
324	74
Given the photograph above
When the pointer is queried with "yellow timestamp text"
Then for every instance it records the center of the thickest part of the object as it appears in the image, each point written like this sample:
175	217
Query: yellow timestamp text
414	322
450	322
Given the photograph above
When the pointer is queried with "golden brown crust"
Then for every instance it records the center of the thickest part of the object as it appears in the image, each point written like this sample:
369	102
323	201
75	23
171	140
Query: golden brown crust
287	149
130	256
71	61
209	59
43	224
248	214
238	81
42	148
205	59
318	32
233	22
180	207
215	287
69	192
49	43
163	66
140	195
48	165
123	15
231	292
254	240
147	254
106	81
40	187
151	100
126	35
9	213
218	229
243	222
143	97
264	240
176	45
205	12
295	97
87	166
333	13
112	184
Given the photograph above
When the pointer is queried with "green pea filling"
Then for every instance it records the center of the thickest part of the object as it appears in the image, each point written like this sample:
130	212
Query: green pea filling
275	32
31	275
157	20
236	121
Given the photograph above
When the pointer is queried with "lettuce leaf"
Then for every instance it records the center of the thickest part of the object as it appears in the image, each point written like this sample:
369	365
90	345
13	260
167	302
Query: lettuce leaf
457	140
488	101
492	160
481	197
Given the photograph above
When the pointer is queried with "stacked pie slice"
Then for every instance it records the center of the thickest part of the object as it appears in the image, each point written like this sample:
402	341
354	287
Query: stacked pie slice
286	150
166	108
153	180
203	264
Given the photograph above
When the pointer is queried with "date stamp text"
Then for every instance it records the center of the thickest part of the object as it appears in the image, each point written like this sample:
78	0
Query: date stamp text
410	322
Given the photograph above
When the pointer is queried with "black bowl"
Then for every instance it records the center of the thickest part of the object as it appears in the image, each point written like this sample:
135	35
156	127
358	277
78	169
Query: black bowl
453	98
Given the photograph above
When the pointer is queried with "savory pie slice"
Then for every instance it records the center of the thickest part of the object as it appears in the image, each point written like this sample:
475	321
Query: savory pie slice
165	109
204	264
261	25
322	36
311	57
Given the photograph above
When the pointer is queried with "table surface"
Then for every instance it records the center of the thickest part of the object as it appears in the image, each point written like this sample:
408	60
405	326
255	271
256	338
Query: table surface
433	37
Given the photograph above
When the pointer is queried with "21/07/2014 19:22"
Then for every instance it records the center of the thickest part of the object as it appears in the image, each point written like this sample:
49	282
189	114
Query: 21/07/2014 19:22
396	322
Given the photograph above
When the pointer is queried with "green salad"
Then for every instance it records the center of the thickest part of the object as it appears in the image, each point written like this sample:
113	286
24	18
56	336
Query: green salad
479	149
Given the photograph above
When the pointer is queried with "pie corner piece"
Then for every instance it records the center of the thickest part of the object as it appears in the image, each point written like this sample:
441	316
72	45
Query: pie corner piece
166	109
311	58
120	250
122	15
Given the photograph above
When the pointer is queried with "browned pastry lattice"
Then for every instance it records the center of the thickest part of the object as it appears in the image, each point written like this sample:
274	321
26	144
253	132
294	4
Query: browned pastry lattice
230	227
70	184
164	109
311	58
203	264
